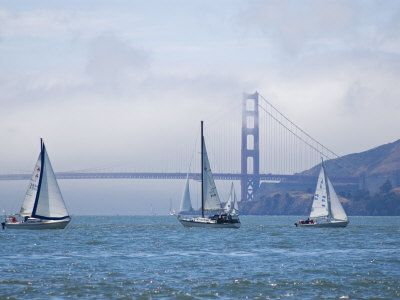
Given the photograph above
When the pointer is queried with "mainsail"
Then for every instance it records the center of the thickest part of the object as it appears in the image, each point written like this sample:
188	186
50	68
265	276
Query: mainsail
186	204
211	198
30	195
49	203
337	210
320	202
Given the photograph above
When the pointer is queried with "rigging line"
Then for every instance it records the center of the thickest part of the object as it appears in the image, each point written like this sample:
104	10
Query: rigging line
288	129
336	162
193	152
297	126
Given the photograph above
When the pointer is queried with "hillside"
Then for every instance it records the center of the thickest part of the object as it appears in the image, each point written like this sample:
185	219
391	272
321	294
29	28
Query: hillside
377	194
355	203
382	160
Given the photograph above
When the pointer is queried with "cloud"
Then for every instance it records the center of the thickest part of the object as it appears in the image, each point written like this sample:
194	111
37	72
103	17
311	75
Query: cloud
59	23
113	62
104	79
339	28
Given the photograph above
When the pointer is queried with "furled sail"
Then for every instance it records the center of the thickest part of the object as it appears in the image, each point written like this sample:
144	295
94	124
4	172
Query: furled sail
211	198
320	202
49	203
186	204
337	210
30	195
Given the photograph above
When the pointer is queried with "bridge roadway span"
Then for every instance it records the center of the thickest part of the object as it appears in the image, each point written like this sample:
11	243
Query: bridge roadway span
195	176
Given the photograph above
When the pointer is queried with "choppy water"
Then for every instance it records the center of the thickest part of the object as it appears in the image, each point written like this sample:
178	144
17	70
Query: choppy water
155	257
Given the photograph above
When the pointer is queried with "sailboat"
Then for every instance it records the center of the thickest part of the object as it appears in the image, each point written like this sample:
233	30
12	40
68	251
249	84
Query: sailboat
231	206
326	211
171	210
43	206
209	199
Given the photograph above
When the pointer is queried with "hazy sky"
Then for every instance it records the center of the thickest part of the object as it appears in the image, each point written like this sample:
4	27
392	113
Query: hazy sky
124	84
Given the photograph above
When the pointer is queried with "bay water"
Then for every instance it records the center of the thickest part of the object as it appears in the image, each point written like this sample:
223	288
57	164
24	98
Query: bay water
142	257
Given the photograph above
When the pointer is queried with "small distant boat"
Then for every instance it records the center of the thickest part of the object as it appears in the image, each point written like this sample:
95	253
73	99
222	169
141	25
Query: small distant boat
152	212
43	206
326	211
171	210
209	199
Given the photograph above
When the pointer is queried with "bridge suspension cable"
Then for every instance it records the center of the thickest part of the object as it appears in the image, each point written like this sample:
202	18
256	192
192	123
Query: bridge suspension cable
285	148
298	128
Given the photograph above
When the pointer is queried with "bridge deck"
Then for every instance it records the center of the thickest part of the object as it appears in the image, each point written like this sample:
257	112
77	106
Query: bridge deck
194	176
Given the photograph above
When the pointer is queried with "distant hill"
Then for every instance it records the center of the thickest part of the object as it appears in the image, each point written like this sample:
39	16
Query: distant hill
377	194
380	161
355	203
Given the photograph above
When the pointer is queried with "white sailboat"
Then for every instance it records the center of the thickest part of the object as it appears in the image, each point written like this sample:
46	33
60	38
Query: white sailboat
209	199
231	206
171	210
43	206
326	211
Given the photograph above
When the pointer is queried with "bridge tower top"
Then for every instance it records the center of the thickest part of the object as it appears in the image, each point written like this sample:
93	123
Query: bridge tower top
250	153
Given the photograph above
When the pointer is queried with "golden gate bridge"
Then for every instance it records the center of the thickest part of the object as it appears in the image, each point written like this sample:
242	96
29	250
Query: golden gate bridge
265	146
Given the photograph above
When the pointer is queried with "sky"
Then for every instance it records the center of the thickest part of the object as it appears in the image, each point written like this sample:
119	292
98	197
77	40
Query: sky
122	85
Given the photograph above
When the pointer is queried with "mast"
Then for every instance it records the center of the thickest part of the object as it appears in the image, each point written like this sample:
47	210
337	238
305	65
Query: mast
202	170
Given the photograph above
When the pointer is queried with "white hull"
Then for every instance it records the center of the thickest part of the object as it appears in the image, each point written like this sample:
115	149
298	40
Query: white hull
332	223
207	223
39	224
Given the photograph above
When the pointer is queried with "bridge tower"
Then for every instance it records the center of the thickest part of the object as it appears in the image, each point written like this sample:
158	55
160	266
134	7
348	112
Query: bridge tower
250	154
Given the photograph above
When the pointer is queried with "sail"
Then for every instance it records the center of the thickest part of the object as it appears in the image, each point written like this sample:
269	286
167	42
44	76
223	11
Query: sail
211	198
235	209
229	204
336	207
30	195
320	203
186	204
49	203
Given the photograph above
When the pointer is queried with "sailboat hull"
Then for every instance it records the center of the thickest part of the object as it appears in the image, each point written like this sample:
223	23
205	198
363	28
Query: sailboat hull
330	223
38	224
209	223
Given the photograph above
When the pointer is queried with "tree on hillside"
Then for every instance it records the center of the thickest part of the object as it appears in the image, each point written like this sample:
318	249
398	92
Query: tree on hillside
386	187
